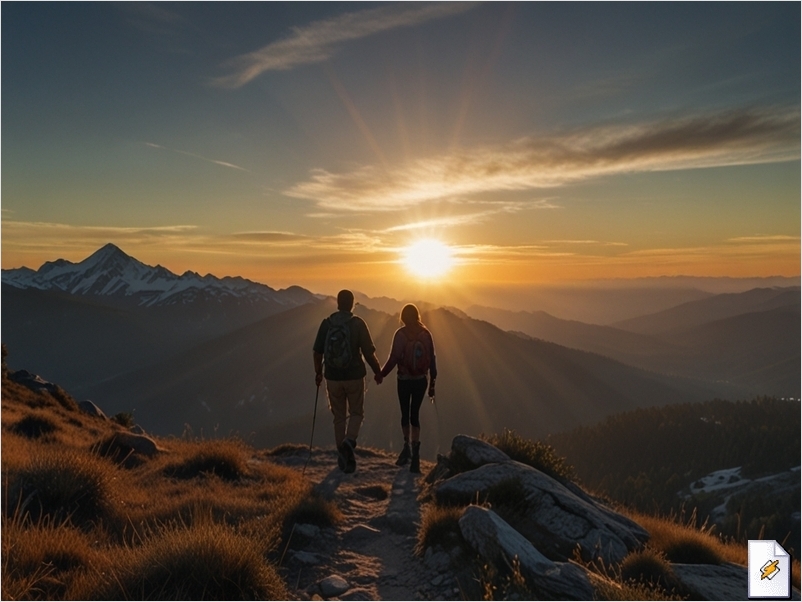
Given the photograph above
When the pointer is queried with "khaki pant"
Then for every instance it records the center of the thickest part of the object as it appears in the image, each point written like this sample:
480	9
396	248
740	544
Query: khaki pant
346	396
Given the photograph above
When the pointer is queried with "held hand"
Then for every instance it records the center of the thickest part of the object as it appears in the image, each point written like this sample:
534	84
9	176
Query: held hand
431	390
318	378
378	378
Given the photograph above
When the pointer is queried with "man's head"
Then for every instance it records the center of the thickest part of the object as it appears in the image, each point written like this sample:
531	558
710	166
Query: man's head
345	300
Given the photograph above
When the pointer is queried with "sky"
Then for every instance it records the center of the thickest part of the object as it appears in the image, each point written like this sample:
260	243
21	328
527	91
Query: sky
313	143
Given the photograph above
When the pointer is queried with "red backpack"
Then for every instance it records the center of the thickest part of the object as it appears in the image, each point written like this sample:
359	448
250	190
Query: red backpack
416	358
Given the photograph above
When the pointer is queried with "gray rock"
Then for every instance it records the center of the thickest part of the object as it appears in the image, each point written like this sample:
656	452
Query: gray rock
333	586
306	558
436	559
88	407
550	516
33	381
498	543
725	581
477	452
138	444
308	531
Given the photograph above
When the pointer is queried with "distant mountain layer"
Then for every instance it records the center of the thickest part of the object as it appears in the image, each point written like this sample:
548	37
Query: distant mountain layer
750	340
718	307
258	381
109	272
81	323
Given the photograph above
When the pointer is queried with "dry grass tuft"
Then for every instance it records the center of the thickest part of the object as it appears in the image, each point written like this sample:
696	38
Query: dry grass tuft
64	486
684	543
35	426
206	562
224	458
649	567
536	454
440	526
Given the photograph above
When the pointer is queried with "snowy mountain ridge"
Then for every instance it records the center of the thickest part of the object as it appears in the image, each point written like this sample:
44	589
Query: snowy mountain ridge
110	272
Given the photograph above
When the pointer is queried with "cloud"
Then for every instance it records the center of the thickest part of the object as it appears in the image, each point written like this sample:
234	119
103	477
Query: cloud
201	157
736	137
763	238
318	41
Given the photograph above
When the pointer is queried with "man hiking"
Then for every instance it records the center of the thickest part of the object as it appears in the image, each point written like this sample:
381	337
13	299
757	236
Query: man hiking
343	339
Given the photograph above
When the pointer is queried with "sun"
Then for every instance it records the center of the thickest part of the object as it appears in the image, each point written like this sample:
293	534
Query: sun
428	258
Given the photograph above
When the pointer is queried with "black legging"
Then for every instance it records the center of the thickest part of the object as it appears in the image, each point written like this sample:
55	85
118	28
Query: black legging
410	396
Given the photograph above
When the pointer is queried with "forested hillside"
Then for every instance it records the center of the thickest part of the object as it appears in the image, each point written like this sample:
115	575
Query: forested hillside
647	457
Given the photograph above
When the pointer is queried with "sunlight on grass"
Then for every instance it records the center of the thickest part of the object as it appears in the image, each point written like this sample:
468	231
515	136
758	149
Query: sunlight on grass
201	520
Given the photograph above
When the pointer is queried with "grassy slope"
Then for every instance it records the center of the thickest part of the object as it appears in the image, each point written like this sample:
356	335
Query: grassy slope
201	520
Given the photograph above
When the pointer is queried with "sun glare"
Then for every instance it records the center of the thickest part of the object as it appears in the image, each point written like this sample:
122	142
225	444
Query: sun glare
428	258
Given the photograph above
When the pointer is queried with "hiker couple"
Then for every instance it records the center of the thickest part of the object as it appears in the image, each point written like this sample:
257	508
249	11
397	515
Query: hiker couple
342	340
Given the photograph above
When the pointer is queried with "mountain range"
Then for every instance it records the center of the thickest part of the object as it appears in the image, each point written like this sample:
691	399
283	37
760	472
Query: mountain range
229	355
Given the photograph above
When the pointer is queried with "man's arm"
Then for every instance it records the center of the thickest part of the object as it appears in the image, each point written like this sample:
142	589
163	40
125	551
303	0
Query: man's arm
368	348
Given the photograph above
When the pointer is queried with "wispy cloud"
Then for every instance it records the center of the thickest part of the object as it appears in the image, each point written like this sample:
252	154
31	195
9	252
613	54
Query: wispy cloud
763	238
454	220
318	41
196	156
729	138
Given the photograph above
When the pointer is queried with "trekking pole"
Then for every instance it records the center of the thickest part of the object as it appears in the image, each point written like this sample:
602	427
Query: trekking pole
312	438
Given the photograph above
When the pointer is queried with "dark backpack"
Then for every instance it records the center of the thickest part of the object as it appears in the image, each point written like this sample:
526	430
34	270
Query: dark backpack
337	351
416	358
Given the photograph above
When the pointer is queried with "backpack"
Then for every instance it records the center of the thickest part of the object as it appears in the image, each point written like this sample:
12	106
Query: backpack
416	358
337	351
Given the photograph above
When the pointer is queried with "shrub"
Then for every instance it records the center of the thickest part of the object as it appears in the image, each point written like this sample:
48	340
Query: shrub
124	419
312	509
205	562
533	453
34	426
649	567
224	458
63	486
440	526
683	543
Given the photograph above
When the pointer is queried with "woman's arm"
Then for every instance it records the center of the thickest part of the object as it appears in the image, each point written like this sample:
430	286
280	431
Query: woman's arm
395	353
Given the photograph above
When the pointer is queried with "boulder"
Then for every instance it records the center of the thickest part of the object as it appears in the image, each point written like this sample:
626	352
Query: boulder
476	452
548	514
725	581
498	543
88	407
32	381
333	586
137	444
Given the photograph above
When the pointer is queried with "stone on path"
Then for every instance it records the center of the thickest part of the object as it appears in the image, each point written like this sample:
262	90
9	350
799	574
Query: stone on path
333	586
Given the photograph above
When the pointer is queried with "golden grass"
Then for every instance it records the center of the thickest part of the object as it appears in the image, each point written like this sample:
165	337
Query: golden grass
203	520
684	543
439	526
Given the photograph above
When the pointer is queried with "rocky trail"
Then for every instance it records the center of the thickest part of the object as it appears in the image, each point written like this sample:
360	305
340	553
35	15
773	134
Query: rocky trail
369	554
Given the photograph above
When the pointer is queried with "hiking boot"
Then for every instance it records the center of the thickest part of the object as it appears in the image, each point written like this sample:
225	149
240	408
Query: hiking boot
404	456
350	459
341	457
414	465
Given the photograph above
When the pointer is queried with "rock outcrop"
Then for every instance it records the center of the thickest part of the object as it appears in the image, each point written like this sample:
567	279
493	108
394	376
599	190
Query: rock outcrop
498	543
551	516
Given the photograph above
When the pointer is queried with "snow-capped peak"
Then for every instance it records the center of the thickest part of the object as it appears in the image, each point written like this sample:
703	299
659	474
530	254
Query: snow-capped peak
110	272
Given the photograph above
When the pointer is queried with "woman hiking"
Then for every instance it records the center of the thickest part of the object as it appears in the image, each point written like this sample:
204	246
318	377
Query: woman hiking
413	353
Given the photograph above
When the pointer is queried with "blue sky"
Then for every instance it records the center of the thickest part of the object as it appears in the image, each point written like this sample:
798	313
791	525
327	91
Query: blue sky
311	143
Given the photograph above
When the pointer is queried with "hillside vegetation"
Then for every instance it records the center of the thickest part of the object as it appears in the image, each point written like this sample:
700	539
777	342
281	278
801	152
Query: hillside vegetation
84	518
646	457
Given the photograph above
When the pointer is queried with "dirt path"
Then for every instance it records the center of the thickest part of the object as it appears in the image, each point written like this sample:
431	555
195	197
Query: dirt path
369	555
